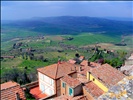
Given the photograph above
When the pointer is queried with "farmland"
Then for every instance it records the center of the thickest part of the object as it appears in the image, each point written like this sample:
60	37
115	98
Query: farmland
40	44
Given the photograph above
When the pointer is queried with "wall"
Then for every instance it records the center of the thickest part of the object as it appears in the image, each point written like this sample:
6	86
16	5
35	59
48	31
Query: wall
129	62
74	75
58	87
78	90
98	83
65	91
46	84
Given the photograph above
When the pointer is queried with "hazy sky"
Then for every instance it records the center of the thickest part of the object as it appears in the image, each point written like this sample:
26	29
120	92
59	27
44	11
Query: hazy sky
11	10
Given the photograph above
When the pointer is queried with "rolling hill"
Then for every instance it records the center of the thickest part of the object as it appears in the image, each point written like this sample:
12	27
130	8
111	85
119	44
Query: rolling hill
71	25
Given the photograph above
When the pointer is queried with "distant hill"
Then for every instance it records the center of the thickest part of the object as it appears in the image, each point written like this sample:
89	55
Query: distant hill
119	18
72	25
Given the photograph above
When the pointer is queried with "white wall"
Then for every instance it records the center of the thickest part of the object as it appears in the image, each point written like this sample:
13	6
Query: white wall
46	84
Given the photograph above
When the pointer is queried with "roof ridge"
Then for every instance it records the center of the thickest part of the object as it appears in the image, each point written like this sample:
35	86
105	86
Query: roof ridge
56	70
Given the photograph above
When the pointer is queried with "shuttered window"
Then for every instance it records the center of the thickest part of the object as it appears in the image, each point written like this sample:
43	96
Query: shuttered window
63	84
70	91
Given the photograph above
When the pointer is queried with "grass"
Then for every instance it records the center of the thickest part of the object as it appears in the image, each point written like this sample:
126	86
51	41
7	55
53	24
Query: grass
85	39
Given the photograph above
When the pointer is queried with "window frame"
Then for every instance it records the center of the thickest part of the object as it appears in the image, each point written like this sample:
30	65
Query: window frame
63	84
71	93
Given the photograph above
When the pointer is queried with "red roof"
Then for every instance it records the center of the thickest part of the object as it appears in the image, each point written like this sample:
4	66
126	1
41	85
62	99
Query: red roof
81	57
71	81
37	93
85	68
66	97
107	74
9	90
92	64
8	85
84	63
93	89
72	61
56	71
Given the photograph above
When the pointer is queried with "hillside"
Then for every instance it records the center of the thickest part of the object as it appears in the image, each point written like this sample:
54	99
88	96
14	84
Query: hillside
70	25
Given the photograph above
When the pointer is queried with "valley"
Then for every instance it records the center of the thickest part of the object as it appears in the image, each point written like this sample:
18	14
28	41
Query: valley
32	48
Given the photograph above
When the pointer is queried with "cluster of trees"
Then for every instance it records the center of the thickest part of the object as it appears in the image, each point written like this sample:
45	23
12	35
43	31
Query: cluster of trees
114	59
30	56
17	75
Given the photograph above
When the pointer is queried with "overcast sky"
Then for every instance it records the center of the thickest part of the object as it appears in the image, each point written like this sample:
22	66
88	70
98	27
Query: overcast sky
14	10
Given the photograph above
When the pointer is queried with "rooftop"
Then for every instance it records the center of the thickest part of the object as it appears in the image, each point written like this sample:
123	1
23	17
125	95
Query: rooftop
107	74
58	70
9	91
81	57
93	89
37	93
91	64
72	61
85	67
8	85
71	81
66	97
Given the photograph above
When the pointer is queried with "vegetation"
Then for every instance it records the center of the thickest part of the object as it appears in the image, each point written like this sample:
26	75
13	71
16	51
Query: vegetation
36	44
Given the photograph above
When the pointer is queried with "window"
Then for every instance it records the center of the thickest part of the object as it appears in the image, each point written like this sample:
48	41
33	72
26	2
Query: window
51	92
93	79
42	88
70	91
63	85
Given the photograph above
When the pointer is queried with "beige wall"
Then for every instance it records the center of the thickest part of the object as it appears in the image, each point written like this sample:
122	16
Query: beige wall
129	62
65	91
46	84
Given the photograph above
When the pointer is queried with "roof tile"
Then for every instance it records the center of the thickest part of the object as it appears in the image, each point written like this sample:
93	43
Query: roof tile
71	81
107	74
56	71
93	89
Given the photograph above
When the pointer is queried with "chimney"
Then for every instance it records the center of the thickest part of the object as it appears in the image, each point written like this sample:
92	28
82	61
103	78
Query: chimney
89	76
79	68
88	63
75	68
59	61
17	96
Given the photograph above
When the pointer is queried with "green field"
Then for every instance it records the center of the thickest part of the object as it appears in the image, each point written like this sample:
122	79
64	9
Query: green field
48	48
90	38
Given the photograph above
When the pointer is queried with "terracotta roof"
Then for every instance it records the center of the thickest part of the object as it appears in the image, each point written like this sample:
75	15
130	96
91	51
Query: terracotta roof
92	64
81	57
37	93
56	71
9	90
85	68
107	74
66	97
8	85
71	81
72	61
82	97
93	89
84	63
63	97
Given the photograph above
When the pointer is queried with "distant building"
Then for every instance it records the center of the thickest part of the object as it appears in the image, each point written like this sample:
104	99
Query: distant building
12	91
